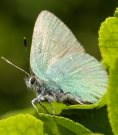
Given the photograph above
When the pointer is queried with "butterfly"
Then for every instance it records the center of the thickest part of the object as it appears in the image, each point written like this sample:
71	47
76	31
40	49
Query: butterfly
61	70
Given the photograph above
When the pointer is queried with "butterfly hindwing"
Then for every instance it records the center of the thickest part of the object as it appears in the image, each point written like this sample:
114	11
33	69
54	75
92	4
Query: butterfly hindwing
81	75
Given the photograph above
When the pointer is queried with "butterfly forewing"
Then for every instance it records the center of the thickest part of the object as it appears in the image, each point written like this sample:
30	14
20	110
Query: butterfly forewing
51	41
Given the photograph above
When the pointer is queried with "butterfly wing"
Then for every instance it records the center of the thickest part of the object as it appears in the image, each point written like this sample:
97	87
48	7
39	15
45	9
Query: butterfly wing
81	75
51	41
56	56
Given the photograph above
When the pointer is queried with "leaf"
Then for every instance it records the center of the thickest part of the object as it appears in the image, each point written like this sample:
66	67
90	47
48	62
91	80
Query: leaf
90	118
108	42
113	97
62	126
60	107
108	38
21	125
95	119
99	104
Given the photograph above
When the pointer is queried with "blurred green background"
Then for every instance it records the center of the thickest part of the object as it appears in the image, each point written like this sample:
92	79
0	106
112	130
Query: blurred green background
17	18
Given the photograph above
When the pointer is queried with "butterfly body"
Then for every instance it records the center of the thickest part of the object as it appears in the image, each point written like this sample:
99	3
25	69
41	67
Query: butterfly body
50	92
62	70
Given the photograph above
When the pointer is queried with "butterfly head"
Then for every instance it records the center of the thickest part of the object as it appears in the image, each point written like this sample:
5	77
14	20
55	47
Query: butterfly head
33	83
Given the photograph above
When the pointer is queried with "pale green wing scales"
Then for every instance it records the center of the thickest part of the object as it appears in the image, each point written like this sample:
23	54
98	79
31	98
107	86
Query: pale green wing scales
51	41
81	75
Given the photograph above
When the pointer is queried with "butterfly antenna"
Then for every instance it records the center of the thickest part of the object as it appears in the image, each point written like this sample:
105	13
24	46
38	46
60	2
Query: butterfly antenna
26	49
15	65
25	42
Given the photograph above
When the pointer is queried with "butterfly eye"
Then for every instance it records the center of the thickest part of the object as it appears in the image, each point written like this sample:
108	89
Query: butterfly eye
32	80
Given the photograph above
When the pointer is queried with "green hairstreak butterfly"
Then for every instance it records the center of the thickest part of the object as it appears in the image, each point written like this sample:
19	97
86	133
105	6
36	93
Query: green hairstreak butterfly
61	70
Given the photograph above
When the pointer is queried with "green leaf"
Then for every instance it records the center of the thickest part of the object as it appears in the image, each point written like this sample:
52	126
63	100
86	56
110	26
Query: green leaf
59	107
113	97
21	125
99	104
108	39
95	119
90	118
62	126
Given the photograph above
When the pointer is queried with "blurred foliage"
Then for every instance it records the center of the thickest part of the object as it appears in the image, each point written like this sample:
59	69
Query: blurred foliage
21	124
17	19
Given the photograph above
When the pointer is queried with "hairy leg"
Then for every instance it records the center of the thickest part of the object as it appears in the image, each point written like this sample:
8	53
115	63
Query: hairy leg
38	100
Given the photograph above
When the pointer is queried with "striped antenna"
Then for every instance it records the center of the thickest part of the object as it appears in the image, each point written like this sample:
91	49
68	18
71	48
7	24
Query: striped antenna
25	42
15	66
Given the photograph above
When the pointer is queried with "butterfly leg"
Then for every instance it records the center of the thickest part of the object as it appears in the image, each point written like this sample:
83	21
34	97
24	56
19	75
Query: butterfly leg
33	103
43	106
37	100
